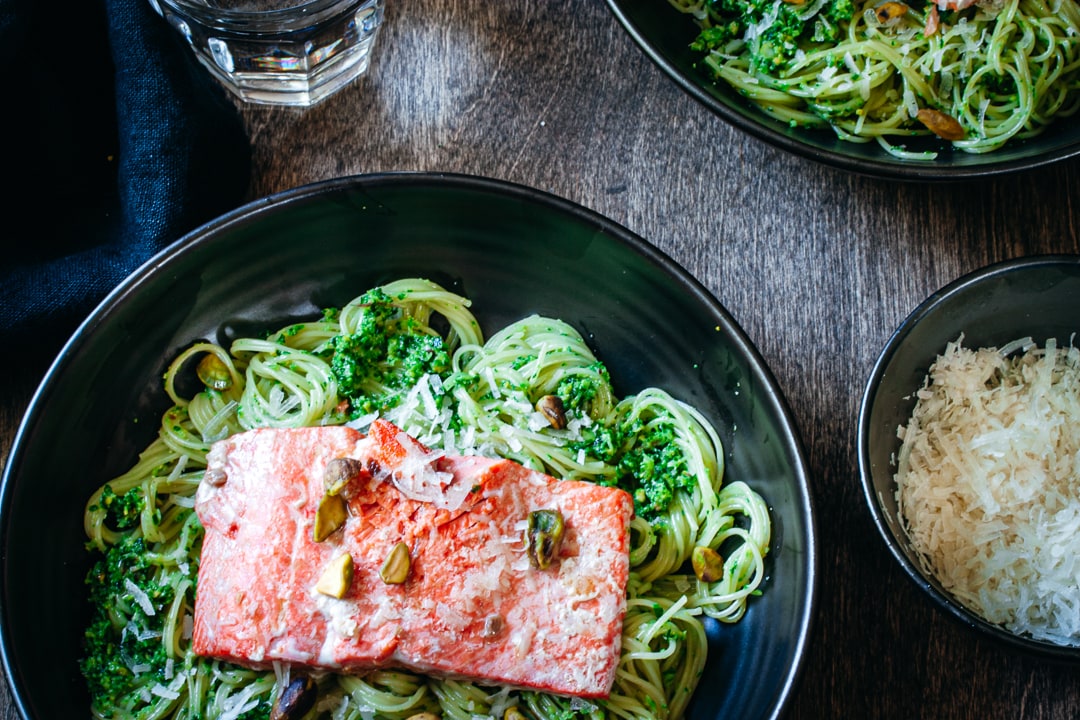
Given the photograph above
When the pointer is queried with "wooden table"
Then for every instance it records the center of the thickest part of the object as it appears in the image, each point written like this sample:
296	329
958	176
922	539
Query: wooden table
818	266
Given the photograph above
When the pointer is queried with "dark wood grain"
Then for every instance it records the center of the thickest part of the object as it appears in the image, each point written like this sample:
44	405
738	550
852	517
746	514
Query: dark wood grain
817	265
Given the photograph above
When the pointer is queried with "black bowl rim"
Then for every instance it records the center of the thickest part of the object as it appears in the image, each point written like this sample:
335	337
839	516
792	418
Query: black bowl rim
955	609
882	169
625	236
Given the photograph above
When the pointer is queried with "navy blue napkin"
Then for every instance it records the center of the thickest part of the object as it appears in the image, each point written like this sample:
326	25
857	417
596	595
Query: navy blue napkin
115	144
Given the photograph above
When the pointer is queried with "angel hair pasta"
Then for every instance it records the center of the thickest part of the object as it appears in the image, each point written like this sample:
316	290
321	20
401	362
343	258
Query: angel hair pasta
412	353
977	73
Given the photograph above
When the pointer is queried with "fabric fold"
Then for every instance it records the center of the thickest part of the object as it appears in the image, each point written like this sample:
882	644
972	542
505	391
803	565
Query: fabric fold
120	145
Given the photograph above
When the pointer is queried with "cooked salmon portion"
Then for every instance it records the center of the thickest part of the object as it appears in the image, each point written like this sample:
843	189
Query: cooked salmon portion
470	603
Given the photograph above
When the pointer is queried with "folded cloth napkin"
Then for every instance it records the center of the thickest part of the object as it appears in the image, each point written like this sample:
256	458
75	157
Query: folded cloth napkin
115	144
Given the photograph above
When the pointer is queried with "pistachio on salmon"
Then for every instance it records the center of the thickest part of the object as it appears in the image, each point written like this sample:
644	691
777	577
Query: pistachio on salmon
543	537
329	516
337	577
493	625
340	472
395	568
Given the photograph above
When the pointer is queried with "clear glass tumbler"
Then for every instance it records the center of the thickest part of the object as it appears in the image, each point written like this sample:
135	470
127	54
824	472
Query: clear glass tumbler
279	52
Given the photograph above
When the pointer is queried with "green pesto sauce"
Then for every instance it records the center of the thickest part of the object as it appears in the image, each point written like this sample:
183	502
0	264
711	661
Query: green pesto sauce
649	464
779	31
387	355
111	651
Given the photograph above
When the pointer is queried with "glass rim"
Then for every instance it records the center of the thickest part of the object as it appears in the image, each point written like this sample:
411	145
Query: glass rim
301	14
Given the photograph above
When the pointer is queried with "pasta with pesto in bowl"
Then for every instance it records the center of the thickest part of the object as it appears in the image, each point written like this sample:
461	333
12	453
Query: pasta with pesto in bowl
411	353
910	76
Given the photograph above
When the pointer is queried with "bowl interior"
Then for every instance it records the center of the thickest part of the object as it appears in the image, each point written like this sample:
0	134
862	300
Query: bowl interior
1032	296
665	34
513	251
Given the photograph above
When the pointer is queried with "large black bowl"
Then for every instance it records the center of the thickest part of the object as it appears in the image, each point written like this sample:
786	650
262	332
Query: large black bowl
1035	296
665	35
514	251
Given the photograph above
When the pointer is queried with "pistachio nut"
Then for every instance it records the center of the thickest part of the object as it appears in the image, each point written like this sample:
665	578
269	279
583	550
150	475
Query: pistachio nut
296	699
213	373
329	516
396	566
543	537
708	565
340	472
336	577
551	407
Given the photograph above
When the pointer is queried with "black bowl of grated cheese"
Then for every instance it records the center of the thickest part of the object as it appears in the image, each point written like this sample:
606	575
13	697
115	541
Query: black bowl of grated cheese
968	444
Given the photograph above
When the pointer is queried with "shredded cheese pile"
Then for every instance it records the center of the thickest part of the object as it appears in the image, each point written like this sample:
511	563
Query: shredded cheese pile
988	483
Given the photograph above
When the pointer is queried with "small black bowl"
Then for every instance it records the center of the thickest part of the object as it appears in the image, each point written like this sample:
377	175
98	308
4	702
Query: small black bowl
1037	296
513	251
665	34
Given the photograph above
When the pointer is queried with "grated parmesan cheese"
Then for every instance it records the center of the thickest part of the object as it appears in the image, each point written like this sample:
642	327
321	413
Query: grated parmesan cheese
140	597
988	483
418	479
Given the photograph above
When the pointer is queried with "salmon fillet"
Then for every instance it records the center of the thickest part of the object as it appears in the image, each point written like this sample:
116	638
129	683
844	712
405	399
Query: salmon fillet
472	605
